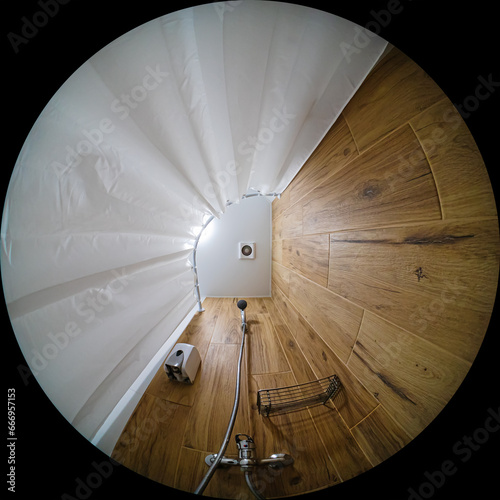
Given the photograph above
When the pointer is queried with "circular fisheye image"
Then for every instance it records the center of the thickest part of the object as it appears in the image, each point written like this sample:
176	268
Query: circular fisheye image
364	307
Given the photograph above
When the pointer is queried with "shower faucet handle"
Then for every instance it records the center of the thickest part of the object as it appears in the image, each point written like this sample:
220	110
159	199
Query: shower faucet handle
248	440
244	444
245	451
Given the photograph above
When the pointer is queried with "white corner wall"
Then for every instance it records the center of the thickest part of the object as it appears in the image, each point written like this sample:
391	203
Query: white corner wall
220	272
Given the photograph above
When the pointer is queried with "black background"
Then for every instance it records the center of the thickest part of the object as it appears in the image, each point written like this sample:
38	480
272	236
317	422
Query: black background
455	42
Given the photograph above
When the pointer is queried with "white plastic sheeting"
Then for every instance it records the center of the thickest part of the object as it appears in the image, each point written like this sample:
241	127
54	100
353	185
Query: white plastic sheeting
156	132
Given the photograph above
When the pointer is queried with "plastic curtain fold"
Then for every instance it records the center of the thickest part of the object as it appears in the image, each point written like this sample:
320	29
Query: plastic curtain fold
155	133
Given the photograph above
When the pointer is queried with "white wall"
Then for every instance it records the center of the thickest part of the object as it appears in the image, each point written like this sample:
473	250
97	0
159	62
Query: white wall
220	272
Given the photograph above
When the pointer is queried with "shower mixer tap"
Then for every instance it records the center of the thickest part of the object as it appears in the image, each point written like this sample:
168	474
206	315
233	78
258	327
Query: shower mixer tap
246	459
246	449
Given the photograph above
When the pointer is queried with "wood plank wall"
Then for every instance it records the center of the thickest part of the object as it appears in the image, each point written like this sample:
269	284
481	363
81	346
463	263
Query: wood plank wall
385	266
385	255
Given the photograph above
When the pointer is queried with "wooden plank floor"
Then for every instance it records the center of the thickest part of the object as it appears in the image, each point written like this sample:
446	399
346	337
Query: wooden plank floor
175	426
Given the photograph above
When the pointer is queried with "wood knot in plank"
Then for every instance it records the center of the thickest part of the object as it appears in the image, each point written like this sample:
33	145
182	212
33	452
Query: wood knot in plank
420	273
371	191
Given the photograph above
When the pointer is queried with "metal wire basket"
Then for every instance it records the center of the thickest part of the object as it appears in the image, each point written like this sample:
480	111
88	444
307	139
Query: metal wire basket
297	397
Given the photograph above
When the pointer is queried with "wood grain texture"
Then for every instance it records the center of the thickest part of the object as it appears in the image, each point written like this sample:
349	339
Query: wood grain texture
265	352
147	445
410	376
436	280
413	243
280	275
334	319
213	408
335	150
277	227
296	359
405	305
344	452
292	222
200	329
228	326
256	306
379	436
396	90
168	442
354	402
309	256
390	183
295	434
214	400
280	204
461	176
277	251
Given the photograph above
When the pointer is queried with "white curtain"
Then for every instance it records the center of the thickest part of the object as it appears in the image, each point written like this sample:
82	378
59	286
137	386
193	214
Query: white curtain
151	136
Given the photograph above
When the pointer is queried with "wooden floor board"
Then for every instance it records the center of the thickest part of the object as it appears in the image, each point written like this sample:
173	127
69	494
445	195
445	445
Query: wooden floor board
168	442
228	326
147	445
212	408
265	352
